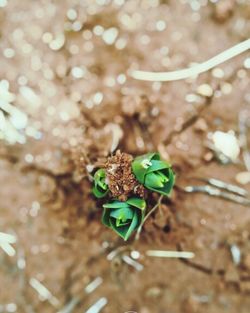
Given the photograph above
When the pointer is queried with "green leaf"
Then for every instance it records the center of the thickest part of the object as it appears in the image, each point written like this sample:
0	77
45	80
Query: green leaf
105	217
138	171
99	193
137	202
116	205
126	212
120	222
121	231
154	180
100	188
141	164
158	165
167	187
134	224
153	155
124	217
153	173
102	185
164	177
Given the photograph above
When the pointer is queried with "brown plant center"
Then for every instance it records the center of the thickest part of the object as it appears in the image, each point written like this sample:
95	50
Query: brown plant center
120	178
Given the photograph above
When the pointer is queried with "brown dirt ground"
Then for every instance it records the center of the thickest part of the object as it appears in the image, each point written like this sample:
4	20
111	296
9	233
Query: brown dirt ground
45	194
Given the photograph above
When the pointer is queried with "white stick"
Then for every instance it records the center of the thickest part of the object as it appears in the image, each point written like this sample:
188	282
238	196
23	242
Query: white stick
43	292
5	243
93	285
170	254
138	266
7	248
98	305
4	237
196	69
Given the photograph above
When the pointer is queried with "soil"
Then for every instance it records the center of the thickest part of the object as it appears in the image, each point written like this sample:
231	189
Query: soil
68	65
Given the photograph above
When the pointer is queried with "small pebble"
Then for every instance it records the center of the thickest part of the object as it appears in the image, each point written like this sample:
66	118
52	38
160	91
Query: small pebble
205	90
226	143
201	125
226	88
243	178
218	72
208	156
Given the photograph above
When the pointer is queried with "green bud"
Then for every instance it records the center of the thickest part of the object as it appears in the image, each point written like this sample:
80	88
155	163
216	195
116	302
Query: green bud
153	173
154	180
124	217
100	188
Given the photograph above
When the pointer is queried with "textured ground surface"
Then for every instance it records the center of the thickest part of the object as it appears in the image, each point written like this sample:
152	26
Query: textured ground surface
67	65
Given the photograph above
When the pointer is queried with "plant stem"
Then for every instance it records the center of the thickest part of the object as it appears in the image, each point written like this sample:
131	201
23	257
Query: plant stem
137	236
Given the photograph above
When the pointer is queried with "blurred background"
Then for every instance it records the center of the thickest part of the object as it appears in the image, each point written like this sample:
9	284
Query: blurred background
67	101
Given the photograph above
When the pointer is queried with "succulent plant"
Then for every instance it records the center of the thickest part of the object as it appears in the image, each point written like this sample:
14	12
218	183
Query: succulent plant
153	173
100	188
124	217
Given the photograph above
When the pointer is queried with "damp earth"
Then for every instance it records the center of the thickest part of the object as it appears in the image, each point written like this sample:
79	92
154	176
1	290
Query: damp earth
68	102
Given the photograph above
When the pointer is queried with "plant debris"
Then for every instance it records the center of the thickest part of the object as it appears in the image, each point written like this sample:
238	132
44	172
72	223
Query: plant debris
120	178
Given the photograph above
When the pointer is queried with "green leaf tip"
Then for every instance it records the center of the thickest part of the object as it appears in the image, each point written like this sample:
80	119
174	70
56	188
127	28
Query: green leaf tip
124	217
100	188
154	173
